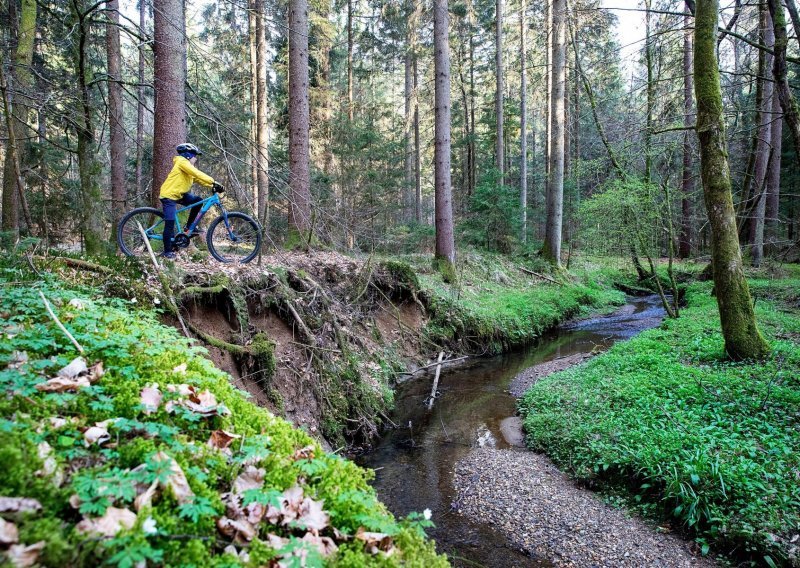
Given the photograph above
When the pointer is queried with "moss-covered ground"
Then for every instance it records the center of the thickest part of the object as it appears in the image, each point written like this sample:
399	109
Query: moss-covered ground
666	422
203	451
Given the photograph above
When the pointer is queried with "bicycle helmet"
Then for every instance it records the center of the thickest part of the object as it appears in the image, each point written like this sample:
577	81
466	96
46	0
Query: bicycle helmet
188	150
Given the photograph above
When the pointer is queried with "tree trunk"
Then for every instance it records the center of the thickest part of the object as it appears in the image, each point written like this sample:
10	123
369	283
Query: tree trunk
349	60
687	182
792	7
140	108
262	127
498	101
774	173
779	72
551	249
648	131
445	246
169	80
417	151
523	125
299	177
22	76
92	210
763	154
742	338
408	130
116	128
251	37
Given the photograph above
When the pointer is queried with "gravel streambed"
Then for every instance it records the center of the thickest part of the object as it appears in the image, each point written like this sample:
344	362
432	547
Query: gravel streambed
542	512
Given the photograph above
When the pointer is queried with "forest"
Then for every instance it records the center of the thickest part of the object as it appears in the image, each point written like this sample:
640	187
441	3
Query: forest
496	283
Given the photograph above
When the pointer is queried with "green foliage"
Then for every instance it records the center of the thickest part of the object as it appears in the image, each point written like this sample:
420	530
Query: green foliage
623	213
687	434
494	220
138	351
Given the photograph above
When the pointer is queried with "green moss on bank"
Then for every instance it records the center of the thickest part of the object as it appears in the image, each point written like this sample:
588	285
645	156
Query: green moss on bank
691	437
137	351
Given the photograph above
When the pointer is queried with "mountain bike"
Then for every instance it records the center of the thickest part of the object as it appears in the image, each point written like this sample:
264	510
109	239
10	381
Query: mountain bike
231	237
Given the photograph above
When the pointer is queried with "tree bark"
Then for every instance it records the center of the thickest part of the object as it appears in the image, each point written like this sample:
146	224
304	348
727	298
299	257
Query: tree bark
687	182
774	173
408	130
116	128
299	175
498	101
169	80
350	60
92	211
417	150
648	131
763	155
792	7
22	76
739	329
140	108
523	125
780	73
445	254
262	126
551	249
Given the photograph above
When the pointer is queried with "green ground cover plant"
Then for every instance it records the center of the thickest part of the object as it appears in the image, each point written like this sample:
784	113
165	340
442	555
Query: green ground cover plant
687	435
496	305
154	457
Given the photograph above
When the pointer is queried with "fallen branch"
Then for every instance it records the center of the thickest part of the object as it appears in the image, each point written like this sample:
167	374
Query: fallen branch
435	380
542	276
171	303
59	324
77	263
309	337
418	369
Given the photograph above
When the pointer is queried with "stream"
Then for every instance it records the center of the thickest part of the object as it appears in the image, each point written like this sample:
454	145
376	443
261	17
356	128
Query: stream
414	462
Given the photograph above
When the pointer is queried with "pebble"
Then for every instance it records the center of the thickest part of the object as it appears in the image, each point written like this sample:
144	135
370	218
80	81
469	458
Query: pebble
543	513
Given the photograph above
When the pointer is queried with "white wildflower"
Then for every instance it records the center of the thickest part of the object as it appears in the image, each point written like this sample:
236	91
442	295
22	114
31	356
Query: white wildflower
427	514
149	526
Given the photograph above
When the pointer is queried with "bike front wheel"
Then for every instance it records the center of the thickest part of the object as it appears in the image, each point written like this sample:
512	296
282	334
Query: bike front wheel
235	239
129	237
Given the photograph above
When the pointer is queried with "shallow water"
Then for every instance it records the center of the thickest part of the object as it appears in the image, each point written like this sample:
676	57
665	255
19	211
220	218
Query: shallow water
414	462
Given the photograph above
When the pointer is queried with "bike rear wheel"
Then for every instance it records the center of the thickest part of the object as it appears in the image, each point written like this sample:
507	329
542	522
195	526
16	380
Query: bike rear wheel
238	240
129	238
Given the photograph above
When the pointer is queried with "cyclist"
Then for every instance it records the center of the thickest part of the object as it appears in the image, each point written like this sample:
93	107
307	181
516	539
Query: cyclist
175	189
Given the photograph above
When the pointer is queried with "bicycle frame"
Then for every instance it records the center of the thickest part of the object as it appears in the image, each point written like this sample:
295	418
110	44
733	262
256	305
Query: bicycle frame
207	204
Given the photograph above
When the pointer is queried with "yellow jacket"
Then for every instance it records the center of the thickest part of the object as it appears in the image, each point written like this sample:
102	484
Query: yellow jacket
181	178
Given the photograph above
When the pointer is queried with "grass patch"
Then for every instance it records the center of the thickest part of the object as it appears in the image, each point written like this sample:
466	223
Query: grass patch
137	351
495	305
688	436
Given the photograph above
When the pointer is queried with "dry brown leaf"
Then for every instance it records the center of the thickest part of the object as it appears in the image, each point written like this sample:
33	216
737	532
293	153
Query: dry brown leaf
306	453
75	368
49	464
182	389
324	544
237	529
96	435
242	555
375	542
311	516
8	533
291	501
64	384
254	512
18	359
74	501
251	478
180	369
220	439
151	398
21	556
19	505
145	499
205	404
113	521
276	542
176	481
